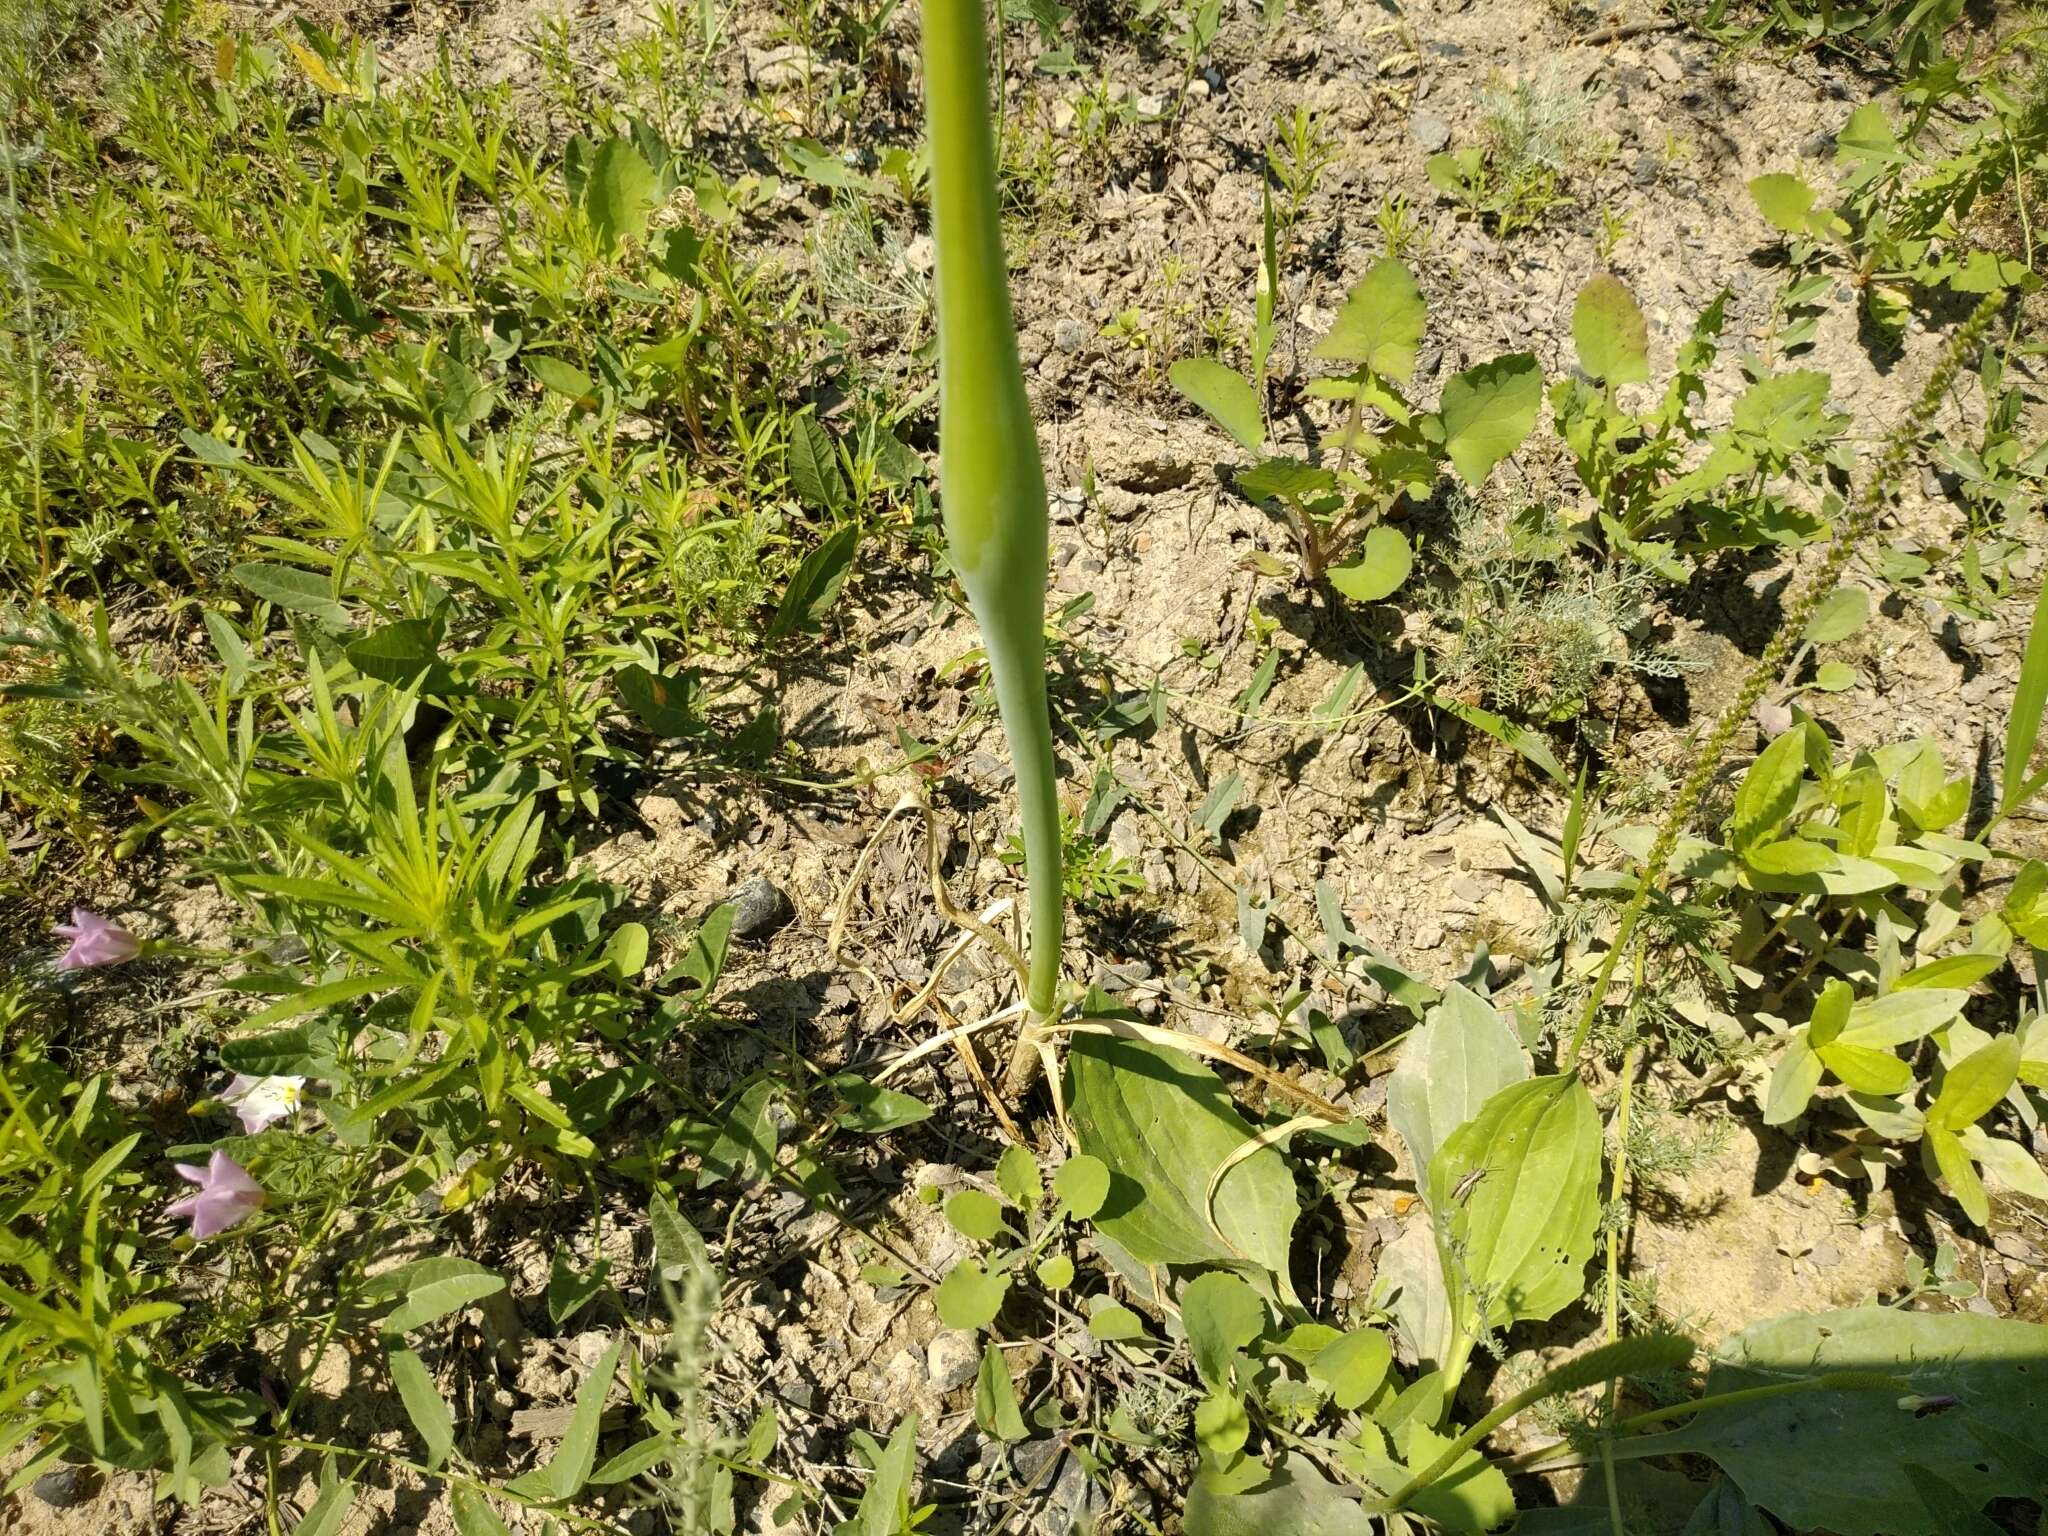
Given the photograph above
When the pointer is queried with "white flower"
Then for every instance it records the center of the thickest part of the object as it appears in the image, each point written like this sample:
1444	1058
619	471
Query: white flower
262	1100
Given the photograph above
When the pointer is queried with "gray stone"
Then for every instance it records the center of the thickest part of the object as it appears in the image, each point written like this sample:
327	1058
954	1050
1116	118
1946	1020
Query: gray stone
951	1361
1665	63
779	68
759	908
1431	132
65	1486
1069	334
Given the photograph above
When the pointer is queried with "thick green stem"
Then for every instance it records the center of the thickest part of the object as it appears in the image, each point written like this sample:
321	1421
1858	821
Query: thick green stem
992	484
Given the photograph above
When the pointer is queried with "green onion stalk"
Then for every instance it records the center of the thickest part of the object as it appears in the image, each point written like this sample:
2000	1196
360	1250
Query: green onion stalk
991	482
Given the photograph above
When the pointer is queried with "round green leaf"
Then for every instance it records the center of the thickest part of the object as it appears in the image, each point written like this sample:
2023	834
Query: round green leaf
1017	1176
1056	1273
1382	566
970	1297
1354	1366
1785	200
974	1214
1841	613
1115	1322
1082	1184
1487	411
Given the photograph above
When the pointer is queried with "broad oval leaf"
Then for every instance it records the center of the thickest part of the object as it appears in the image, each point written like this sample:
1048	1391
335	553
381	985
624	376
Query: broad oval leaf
1769	791
1975	1084
1840	614
1785	200
616	196
1353	1366
1380	325
1224	396
1608	328
1793	1080
1082	1184
1487	411
1898	1017
1163	1123
970	1296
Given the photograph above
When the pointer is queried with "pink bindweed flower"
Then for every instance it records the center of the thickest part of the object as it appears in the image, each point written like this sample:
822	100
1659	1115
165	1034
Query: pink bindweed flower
226	1195
94	941
260	1101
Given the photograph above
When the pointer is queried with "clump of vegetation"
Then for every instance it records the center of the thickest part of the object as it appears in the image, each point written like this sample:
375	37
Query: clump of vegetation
414	486
1525	628
1534	137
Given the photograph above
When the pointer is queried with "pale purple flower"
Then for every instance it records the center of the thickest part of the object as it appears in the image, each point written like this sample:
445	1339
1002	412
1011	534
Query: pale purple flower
94	941
261	1101
226	1194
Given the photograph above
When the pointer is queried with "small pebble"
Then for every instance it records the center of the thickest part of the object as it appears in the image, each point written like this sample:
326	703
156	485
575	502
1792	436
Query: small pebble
64	1487
759	908
951	1361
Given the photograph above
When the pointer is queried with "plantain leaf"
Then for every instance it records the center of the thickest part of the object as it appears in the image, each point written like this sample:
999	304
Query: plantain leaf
1295	1499
1162	1123
1833	1460
1519	1234
1462	1054
1224	396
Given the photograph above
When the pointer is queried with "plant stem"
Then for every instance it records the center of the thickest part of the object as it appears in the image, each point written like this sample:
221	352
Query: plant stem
992	482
